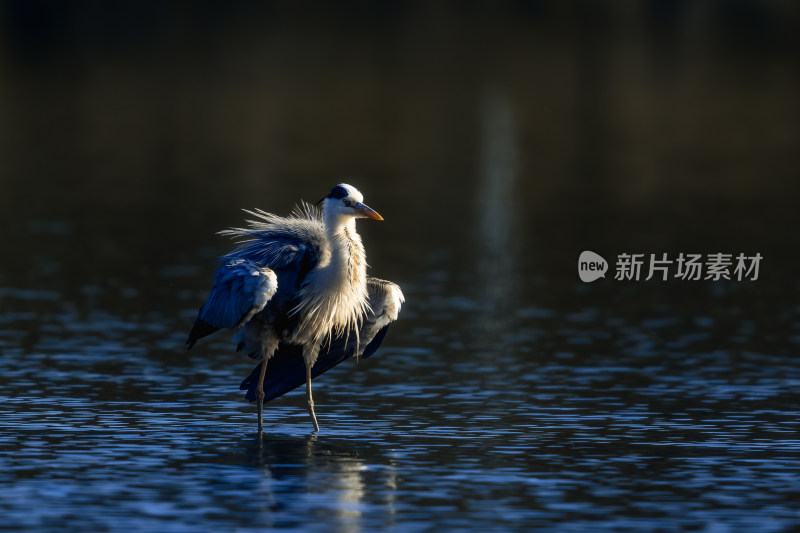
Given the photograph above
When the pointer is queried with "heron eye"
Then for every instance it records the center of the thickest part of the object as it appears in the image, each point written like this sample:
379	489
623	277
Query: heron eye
348	203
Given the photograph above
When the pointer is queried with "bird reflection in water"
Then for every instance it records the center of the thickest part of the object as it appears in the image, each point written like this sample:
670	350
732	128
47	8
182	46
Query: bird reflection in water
295	466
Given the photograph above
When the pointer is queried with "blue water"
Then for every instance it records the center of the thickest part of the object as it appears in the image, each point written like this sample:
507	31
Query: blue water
582	418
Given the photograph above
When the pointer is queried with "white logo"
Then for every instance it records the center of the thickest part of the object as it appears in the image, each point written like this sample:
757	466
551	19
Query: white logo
591	266
686	266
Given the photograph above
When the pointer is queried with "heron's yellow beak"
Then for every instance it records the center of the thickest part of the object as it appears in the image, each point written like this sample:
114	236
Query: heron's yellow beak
367	211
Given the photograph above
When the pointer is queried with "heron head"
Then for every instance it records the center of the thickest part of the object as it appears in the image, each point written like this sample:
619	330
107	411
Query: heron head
345	200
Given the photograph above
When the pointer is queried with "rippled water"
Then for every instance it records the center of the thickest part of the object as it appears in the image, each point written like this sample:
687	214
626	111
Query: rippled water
573	418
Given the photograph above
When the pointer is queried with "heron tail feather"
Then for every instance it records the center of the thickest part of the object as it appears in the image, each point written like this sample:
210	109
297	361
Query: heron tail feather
286	370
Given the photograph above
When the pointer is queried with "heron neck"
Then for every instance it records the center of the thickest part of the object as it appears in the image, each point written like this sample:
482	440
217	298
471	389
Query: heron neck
338	225
336	291
347	252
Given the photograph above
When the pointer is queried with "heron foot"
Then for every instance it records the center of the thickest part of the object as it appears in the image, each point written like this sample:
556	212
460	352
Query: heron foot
313	416
310	399
260	398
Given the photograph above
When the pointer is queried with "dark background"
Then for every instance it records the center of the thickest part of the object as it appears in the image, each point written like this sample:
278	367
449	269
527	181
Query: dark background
128	116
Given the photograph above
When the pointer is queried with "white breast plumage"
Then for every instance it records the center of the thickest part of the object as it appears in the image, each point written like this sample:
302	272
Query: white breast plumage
333	299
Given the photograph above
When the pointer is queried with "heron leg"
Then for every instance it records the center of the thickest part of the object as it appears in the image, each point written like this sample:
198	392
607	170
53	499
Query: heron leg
310	399
260	395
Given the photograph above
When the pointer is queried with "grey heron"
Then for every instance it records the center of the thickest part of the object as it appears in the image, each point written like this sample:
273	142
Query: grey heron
296	292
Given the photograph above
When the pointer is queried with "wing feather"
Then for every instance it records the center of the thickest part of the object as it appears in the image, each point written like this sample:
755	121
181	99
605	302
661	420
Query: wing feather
280	242
241	289
247	279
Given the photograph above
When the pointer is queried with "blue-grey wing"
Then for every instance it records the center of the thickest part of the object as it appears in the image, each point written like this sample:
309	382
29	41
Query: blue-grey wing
286	369
241	289
281	242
